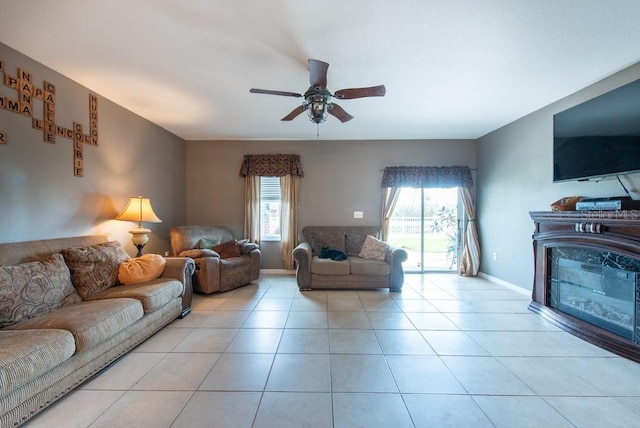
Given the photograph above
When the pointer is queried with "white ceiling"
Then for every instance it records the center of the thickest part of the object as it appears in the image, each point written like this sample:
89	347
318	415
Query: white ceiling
452	68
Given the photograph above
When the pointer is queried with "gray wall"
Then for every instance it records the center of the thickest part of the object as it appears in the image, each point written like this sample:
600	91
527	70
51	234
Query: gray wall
41	198
515	176
340	177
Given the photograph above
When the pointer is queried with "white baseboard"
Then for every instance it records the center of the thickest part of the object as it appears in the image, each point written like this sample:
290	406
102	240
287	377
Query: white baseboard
505	284
277	272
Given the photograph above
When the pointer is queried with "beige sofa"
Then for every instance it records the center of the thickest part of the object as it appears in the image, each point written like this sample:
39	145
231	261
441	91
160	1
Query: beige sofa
217	269
52	339
354	272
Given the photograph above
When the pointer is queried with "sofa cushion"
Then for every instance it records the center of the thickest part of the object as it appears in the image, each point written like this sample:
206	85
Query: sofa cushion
373	249
228	249
360	266
329	267
94	268
26	354
32	289
141	269
329	238
91	323
152	294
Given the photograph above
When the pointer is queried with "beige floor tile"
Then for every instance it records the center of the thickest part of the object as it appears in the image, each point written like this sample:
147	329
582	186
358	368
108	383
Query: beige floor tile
370	410
294	409
390	321
226	319
301	373
178	372
403	342
207	340
431	321
520	411
164	341
361	373
344	341
453	343
238	372
445	411
352	320
304	341
219	409
306	319
144	409
256	340
126	372
78	409
423	374
485	375
266	319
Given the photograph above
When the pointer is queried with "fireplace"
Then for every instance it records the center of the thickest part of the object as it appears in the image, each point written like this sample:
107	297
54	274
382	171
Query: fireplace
587	274
599	294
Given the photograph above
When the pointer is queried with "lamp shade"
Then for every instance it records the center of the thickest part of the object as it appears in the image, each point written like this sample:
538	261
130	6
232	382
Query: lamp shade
138	209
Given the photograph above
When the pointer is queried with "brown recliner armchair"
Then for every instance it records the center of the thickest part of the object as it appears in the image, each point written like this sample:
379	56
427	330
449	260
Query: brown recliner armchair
222	263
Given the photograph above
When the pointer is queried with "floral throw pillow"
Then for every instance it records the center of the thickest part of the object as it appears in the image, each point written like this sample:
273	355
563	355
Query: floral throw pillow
31	289
94	268
373	249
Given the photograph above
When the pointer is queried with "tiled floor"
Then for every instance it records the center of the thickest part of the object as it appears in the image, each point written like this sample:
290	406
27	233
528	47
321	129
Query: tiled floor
446	352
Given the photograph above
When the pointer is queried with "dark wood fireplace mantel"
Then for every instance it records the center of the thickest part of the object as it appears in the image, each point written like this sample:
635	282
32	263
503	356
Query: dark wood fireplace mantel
615	233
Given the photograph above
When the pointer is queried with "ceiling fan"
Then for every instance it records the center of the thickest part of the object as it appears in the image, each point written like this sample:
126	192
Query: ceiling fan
317	99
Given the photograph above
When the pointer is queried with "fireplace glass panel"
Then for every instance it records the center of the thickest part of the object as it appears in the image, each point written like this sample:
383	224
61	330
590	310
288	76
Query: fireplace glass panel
597	287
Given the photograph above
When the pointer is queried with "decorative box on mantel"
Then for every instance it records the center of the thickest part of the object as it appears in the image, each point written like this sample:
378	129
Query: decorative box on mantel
587	273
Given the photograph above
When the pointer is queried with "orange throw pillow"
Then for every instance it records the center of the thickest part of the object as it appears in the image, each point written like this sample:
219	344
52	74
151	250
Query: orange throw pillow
141	269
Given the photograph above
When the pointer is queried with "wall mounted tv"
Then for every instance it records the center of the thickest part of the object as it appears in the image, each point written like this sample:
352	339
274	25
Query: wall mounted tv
600	137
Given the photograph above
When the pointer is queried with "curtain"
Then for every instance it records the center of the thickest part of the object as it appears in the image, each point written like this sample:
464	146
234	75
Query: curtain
289	168
470	260
427	177
388	206
289	188
395	177
271	165
252	208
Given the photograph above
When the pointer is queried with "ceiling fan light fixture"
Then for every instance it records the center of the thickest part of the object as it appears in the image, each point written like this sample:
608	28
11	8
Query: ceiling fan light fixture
317	110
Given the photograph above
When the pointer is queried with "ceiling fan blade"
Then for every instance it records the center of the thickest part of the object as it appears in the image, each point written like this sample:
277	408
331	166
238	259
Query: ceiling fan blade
270	92
318	73
337	111
295	112
373	91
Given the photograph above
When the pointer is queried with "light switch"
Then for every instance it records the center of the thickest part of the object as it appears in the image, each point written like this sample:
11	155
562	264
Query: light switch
358	214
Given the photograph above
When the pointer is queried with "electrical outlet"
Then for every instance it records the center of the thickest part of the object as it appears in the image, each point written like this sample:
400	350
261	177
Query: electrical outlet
495	255
358	214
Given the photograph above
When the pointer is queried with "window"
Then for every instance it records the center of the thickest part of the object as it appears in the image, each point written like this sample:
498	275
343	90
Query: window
270	208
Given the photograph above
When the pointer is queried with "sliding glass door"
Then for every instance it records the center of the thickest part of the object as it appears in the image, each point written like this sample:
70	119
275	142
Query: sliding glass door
426	223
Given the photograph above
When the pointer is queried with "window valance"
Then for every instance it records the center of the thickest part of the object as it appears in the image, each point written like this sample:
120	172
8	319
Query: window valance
427	177
271	165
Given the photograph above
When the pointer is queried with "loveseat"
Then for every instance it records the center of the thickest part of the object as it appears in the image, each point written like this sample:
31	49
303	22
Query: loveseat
222	262
64	317
381	268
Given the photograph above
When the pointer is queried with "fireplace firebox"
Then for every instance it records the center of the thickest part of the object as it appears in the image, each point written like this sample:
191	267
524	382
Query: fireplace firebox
587	274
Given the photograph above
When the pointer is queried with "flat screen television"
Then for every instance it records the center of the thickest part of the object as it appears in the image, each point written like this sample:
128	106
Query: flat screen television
600	137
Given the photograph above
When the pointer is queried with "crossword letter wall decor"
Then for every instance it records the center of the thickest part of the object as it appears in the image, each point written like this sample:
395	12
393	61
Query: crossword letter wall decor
22	82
